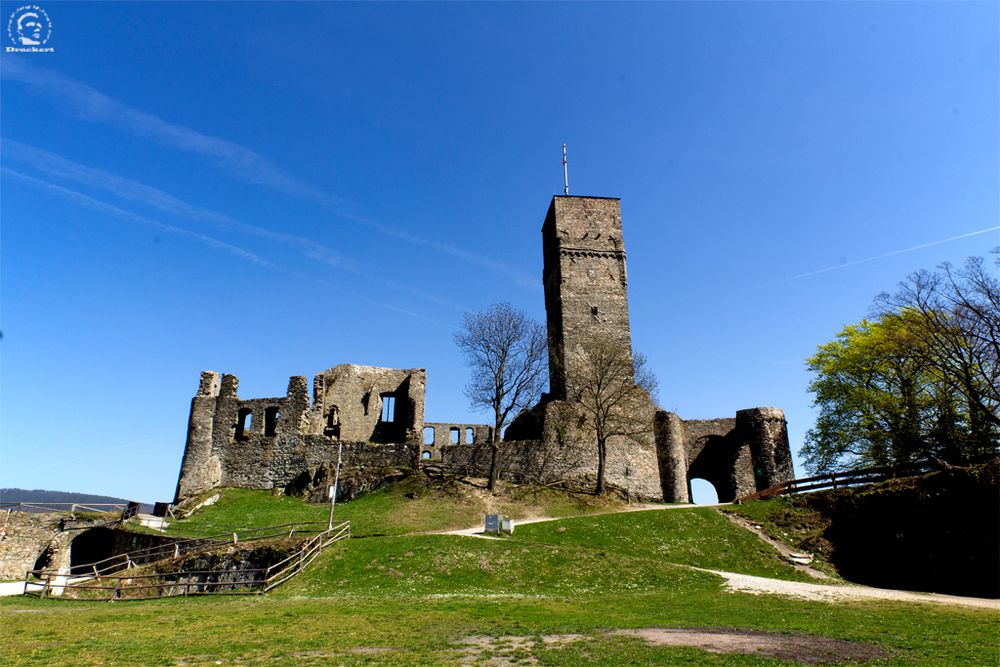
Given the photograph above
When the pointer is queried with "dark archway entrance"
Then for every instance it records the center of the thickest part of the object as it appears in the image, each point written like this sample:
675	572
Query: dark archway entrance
716	464
89	547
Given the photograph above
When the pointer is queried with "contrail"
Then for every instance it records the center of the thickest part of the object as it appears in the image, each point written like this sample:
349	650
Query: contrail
105	207
882	256
60	167
232	158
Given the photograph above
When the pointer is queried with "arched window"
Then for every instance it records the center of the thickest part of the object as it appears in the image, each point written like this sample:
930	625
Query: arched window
425	456
470	436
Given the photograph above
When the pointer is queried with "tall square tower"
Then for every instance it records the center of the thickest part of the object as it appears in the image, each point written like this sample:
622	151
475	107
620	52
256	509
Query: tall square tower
586	297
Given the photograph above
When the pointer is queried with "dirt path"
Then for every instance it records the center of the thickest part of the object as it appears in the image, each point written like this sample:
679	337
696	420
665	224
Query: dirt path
745	583
477	531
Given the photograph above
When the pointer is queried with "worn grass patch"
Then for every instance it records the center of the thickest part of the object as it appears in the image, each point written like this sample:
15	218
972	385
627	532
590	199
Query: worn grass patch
388	628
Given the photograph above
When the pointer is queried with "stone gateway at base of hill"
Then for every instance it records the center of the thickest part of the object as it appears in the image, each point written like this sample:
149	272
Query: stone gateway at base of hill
375	416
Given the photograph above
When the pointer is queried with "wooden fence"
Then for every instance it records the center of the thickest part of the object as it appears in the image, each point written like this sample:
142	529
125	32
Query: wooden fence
843	479
144	586
176	548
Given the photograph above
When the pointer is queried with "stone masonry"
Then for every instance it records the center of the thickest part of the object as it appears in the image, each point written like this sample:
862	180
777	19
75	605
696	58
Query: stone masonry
376	414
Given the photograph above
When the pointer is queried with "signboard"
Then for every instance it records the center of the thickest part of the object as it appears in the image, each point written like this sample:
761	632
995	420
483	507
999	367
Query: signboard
492	523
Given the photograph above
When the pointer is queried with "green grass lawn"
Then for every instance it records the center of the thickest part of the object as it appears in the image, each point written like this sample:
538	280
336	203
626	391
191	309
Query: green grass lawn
412	505
390	598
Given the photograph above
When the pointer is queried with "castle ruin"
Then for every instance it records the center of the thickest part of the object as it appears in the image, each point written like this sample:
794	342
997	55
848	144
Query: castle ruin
377	414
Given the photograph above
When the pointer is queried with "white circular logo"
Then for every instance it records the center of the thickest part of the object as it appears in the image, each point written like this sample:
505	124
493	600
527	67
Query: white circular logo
29	26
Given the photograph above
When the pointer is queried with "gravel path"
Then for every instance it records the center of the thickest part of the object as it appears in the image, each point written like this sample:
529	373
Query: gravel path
745	583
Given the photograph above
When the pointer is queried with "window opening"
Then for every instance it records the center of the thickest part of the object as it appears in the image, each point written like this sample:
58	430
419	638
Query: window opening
453	435
428	435
470	436
244	421
271	417
388	408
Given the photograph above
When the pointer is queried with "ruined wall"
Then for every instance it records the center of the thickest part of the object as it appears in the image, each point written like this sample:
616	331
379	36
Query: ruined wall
264	443
738	456
585	282
348	403
567	451
441	434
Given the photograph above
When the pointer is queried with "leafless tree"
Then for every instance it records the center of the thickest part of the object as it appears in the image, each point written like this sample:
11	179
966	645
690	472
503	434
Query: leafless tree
506	351
615	391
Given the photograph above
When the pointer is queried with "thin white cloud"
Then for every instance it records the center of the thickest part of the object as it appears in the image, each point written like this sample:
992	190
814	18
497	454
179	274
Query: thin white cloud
130	190
234	159
882	256
93	105
104	207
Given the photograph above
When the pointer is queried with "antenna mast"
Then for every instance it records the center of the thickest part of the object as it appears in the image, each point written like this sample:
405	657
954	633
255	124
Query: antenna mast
565	173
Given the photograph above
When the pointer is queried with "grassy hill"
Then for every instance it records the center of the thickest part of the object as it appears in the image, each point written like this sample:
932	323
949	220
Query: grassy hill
554	593
415	504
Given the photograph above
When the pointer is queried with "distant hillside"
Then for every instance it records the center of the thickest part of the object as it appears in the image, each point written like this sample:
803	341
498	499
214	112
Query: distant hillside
46	496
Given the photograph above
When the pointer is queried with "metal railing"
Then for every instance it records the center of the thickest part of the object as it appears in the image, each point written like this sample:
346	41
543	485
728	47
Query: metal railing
143	586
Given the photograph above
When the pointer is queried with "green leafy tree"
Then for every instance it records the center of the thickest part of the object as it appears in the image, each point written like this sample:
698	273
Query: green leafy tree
919	380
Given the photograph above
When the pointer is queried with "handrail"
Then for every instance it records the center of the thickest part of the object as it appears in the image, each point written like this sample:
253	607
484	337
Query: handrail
239	582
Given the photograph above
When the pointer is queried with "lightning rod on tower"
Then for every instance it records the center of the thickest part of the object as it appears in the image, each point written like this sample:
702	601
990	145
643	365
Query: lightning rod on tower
565	173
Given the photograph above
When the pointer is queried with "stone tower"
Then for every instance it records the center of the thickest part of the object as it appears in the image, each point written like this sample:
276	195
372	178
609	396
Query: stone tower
586	299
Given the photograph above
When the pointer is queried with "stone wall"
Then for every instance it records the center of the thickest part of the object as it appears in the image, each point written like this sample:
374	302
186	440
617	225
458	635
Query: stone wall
585	282
567	452
439	434
738	456
265	443
348	403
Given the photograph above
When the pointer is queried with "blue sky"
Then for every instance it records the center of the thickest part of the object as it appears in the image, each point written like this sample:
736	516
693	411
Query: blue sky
273	189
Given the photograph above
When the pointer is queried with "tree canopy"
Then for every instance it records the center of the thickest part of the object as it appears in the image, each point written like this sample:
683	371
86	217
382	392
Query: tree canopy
918	380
